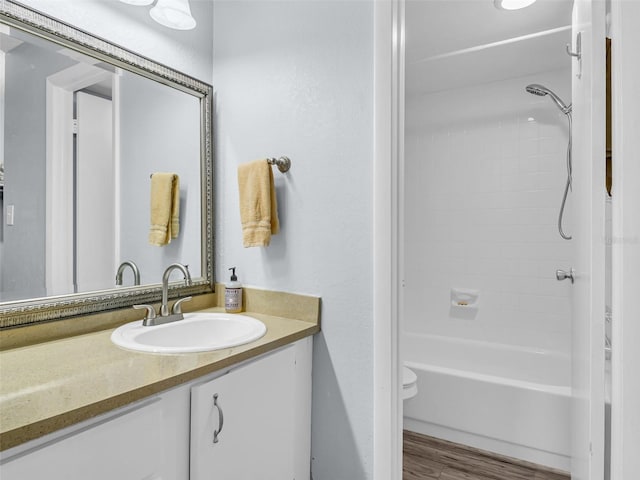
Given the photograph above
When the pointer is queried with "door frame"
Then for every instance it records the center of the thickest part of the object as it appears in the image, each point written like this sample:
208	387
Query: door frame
588	293
625	395
59	159
387	209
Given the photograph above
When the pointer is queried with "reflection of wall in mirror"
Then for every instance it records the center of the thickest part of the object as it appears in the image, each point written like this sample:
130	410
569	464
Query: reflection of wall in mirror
23	262
1	160
159	132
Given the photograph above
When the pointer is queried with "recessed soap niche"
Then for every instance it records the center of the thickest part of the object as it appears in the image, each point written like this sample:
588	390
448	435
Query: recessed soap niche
464	303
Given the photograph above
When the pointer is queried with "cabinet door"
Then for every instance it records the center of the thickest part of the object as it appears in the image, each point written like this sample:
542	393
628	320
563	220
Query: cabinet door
128	447
252	409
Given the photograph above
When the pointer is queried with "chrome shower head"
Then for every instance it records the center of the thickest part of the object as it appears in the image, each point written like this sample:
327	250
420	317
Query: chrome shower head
536	89
542	91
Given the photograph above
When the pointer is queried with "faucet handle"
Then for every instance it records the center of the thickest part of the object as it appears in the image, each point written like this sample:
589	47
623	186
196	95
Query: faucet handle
150	315
177	307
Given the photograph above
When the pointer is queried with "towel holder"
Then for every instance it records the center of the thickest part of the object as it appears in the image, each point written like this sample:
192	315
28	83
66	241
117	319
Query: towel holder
283	163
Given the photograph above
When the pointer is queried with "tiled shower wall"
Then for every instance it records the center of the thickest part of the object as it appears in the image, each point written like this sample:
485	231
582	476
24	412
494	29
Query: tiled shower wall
485	169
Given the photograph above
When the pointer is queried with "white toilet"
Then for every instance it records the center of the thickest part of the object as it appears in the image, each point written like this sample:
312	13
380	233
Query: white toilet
409	383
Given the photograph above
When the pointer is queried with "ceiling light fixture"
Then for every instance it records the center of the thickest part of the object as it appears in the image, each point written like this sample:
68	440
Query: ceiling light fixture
138	2
512	4
173	14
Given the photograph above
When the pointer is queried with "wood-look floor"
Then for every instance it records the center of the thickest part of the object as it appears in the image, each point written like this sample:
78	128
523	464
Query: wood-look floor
428	458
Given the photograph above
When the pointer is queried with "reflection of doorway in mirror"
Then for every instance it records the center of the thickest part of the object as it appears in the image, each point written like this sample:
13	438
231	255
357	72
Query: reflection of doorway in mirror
94	187
81	224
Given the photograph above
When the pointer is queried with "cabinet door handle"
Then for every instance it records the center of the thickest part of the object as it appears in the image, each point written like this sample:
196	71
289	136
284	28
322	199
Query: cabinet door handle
217	432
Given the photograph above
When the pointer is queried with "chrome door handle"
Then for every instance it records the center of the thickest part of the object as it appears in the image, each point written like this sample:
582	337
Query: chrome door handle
217	432
563	275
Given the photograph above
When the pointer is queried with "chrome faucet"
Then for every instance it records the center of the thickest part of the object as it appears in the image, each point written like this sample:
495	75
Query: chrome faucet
164	308
134	268
151	318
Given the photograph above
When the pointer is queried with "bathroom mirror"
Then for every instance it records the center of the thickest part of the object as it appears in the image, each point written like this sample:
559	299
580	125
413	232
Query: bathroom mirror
85	123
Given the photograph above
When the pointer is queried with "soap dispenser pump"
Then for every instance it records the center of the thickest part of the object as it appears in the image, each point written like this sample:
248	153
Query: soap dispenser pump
233	294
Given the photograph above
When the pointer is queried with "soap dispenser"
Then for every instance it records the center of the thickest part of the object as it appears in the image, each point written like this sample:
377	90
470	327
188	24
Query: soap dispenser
233	294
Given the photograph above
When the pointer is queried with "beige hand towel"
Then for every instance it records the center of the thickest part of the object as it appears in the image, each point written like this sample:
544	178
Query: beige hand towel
165	208
258	208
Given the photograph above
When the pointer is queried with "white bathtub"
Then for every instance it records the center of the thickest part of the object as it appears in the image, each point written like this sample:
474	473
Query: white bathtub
509	400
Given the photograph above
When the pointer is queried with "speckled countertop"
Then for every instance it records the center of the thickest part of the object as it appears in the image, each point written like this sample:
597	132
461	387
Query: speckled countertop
54	384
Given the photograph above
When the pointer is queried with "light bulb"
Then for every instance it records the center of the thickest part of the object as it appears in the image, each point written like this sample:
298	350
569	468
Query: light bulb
138	2
173	14
512	4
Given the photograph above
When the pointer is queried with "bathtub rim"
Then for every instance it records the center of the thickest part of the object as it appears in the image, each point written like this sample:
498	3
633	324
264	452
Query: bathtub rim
539	387
485	343
560	387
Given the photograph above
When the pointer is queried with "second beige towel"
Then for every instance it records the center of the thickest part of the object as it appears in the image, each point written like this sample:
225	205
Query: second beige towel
165	208
258	207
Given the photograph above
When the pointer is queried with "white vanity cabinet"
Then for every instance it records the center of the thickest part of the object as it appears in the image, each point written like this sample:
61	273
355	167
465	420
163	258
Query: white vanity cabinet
127	446
254	422
266	406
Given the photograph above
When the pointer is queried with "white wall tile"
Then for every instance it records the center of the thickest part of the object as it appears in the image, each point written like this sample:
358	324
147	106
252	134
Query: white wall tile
482	199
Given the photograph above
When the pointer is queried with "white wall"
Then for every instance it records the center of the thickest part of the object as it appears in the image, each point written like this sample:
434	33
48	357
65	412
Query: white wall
483	189
295	78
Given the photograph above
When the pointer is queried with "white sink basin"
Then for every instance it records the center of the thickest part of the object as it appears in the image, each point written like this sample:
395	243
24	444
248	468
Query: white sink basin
197	332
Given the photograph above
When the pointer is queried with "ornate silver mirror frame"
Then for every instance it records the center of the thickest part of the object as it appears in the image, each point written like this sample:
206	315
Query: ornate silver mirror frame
27	312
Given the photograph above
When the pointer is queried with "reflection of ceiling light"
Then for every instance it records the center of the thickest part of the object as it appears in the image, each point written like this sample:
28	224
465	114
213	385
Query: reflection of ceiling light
173	14
170	13
138	2
512	4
